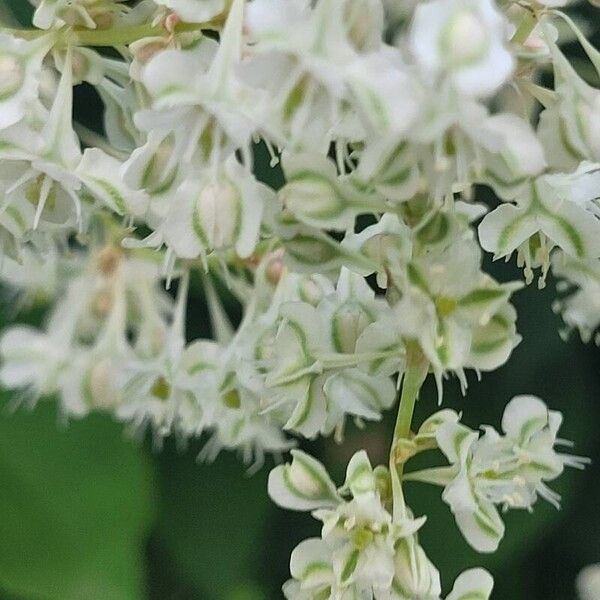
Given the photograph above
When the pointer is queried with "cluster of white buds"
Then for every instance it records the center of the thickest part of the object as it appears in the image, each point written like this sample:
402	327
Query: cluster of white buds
358	274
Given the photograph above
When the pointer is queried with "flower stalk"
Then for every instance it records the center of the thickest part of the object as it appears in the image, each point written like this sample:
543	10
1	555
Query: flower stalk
115	36
417	366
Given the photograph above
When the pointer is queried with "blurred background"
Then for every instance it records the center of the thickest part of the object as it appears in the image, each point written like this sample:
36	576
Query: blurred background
88	513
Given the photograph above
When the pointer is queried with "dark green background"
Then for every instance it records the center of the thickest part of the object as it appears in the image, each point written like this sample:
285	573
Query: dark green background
89	514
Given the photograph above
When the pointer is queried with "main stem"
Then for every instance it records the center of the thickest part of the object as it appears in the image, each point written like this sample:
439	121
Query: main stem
116	36
414	376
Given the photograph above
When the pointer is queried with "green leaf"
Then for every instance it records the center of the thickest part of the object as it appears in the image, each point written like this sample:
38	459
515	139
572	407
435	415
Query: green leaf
76	504
211	522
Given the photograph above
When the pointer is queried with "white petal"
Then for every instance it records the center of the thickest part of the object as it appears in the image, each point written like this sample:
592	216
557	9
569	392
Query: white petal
302	485
474	584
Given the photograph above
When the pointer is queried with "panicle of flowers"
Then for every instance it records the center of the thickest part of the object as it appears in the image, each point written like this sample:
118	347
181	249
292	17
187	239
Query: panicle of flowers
358	273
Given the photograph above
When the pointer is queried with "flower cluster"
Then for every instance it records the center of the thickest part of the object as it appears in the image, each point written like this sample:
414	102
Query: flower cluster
509	470
362	552
357	262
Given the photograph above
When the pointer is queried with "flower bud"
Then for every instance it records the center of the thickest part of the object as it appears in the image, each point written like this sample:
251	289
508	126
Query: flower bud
349	321
302	485
465	39
311	198
217	214
12	75
101	385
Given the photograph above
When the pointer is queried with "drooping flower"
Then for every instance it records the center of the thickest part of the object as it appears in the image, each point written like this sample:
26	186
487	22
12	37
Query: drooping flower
556	210
508	470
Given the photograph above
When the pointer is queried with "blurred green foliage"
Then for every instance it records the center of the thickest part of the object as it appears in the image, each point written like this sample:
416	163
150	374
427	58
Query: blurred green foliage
87	513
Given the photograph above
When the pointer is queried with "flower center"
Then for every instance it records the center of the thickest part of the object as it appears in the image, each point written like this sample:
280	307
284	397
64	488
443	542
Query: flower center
161	388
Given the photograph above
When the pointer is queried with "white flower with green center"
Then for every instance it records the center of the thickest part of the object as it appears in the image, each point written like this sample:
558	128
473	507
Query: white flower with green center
362	552
509	470
569	125
215	213
555	210
111	311
231	412
510	154
197	97
48	183
311	380
358	533
457	314
463	40
385	93
20	73
298	57
386	243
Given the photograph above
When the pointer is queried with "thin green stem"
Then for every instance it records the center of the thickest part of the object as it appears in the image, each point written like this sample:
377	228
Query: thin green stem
524	29
414	376
116	36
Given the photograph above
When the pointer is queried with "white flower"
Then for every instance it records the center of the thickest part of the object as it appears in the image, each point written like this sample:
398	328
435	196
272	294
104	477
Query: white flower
44	174
510	153
362	552
107	298
569	126
358	535
197	97
308	378
458	315
510	470
20	73
31	361
559	209
300	67
212	212
464	40
230	402
385	93
315	195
